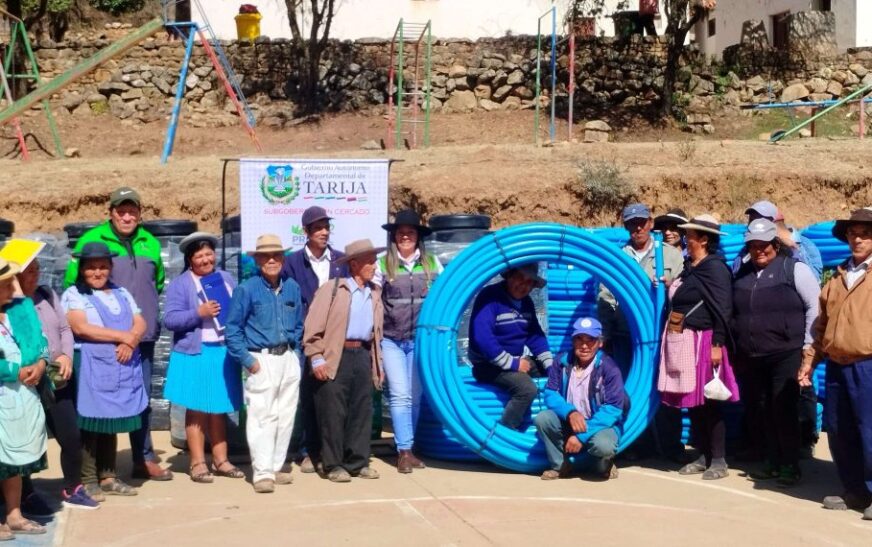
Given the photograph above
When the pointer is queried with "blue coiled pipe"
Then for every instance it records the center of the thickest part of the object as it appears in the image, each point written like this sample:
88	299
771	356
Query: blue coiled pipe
447	392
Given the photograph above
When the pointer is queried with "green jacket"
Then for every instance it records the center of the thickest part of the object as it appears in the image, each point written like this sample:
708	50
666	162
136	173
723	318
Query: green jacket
138	268
27	332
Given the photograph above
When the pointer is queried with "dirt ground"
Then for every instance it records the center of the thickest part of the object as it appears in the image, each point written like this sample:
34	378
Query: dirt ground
482	162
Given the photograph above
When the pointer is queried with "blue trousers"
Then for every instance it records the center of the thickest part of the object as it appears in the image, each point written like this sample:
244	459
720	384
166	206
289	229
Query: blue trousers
600	449
404	389
848	415
141	447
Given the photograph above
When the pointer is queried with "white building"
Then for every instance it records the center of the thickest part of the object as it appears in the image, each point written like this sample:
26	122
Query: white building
450	18
723	27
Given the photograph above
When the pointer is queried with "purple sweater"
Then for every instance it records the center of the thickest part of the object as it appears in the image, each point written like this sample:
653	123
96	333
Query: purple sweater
180	313
54	323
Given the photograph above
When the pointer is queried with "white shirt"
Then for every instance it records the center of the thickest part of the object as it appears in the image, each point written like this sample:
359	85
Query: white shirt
854	272
321	266
639	256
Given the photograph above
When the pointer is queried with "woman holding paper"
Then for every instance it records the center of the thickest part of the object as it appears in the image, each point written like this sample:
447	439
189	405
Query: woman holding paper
201	377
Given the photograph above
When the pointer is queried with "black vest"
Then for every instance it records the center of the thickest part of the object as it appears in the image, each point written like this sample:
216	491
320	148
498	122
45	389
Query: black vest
403	297
768	313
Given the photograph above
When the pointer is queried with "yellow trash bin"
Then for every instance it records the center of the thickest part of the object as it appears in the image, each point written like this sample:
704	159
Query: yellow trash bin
248	26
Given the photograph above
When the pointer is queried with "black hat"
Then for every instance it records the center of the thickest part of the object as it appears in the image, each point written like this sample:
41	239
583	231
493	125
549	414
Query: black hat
94	249
673	216
860	216
408	217
314	214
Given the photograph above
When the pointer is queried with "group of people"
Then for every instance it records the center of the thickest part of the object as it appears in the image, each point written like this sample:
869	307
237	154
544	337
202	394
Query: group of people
753	331
305	342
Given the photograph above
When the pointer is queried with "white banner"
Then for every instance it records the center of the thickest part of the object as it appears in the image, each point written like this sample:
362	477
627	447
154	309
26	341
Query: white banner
275	192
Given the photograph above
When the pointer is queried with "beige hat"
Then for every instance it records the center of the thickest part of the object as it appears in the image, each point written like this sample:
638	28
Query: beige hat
704	223
268	243
358	248
8	269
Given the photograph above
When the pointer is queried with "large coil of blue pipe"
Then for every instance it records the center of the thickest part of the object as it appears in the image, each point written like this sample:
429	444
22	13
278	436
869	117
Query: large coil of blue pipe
469	412
833	251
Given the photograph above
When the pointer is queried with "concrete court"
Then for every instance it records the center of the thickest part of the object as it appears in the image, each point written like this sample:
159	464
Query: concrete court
455	504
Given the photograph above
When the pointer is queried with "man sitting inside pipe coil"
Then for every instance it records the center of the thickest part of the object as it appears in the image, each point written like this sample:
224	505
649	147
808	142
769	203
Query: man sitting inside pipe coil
587	406
503	324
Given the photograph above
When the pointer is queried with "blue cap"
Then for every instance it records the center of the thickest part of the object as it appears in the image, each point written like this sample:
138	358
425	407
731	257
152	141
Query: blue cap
588	326
635	210
764	209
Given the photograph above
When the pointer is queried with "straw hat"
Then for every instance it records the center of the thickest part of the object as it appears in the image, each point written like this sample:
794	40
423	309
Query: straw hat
268	243
704	223
8	269
359	248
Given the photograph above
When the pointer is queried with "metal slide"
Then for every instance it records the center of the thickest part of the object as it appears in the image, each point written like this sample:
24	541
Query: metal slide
46	90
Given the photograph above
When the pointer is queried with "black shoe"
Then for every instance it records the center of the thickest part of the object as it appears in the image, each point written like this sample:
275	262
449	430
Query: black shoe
35	506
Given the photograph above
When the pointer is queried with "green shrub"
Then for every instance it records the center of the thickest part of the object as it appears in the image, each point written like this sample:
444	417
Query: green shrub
603	186
118	6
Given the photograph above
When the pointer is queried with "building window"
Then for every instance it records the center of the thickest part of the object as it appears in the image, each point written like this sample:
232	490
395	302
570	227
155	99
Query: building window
824	5
779	30
712	27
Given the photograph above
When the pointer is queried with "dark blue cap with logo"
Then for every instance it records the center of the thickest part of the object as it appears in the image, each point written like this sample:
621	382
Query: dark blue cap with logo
635	210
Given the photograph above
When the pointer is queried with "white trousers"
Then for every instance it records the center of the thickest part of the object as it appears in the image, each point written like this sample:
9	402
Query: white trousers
271	403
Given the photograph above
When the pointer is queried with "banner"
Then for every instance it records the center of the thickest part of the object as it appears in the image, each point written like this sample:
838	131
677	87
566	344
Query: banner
275	192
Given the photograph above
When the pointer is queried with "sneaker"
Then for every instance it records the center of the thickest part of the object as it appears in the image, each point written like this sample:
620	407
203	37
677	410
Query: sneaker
35	506
867	513
79	499
845	502
788	476
95	492
367	473
339	475
265	486
612	472
284	478
306	466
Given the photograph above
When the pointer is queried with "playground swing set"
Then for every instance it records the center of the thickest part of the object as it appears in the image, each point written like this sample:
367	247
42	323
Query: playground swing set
188	31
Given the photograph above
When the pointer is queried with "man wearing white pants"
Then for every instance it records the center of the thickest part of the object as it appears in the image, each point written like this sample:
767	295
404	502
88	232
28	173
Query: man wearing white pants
263	333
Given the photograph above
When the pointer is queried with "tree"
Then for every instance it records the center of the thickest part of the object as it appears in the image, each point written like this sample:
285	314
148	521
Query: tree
681	16
310	22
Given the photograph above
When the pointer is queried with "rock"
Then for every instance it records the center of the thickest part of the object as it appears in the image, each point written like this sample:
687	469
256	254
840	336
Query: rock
826	73
708	129
817	85
191	81
500	79
794	93
805	133
597	125
502	92
456	71
860	70
276	122
489	105
461	101
203	71
867	80
486	76
512	103
815	97
835	88
96	98
111	88
83	109
764	136
756	84
162	85
132	94
596	136
450	85
697	118
524	93
515	78
371	145
72	153
461	84
205	85
700	86
72	100
353	69
483	92
840	76
731	97
139	82
851	79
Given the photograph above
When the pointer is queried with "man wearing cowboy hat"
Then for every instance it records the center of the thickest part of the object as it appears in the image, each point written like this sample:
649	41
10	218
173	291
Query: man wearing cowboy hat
343	333
263	333
842	336
312	266
139	269
502	326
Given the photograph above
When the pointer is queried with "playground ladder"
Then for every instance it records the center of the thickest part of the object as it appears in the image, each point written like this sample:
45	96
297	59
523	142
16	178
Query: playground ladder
212	46
419	37
18	38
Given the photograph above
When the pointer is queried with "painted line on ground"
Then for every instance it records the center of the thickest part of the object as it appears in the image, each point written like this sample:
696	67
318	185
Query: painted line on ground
700	484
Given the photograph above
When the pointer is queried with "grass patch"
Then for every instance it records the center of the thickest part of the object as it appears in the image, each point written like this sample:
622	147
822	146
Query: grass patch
835	124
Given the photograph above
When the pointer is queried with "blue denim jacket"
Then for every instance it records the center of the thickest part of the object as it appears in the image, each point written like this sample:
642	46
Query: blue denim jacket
260	318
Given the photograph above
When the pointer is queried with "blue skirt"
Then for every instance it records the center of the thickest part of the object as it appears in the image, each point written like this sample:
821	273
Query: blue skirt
208	382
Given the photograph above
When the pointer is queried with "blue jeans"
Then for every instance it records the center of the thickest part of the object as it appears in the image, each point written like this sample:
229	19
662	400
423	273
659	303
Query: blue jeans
600	449
140	440
404	389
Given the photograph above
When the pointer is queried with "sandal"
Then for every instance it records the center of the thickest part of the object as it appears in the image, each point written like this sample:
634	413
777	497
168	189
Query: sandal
233	473
118	488
715	473
6	533
693	468
27	527
205	477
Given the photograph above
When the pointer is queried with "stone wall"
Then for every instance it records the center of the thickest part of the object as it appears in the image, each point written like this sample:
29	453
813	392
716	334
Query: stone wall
488	74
